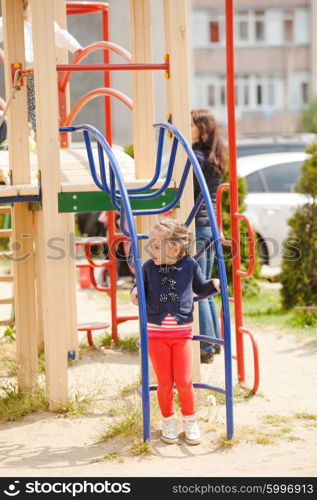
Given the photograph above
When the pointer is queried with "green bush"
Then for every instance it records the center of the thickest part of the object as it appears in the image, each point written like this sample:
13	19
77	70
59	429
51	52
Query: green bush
299	267
308	121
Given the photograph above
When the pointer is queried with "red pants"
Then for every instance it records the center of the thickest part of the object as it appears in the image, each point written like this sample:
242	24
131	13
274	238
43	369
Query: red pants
172	363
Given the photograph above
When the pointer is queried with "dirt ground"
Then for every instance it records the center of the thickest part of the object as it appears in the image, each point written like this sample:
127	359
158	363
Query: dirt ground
275	430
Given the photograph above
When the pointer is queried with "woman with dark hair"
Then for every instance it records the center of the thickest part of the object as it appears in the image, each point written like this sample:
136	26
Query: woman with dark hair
210	152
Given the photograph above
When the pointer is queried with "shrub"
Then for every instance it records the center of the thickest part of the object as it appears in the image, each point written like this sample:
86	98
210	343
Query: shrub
308	121
299	269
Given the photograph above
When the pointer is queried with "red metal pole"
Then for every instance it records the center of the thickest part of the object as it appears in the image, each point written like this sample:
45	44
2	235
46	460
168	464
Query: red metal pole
107	77
111	214
234	203
112	67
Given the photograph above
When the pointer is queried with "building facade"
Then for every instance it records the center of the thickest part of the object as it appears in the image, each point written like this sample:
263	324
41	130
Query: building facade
275	52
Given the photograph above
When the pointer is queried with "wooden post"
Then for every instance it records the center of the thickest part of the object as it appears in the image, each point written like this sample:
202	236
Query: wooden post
176	23
143	109
23	233
143	100
60	17
52	231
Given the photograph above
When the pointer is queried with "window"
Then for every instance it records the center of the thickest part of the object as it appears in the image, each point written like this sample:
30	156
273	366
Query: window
214	32
281	178
288	24
259	26
270	91
242	26
211	95
304	92
259	95
254	183
222	82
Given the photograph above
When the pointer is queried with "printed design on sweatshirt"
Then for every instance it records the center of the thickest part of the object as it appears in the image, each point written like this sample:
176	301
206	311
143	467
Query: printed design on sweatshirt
170	283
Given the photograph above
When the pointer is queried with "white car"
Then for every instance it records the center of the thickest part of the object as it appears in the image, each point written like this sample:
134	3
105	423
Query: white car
271	200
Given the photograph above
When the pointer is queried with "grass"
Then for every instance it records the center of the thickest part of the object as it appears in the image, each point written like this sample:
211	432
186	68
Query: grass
125	425
8	367
305	416
124	344
262	438
275	420
139	447
110	457
130	388
239	394
75	407
227	443
265	309
16	403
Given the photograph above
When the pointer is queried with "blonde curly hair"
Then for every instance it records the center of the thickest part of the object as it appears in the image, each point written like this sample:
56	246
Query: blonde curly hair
174	232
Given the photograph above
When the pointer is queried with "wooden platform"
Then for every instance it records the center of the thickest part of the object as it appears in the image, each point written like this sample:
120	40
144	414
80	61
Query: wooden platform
76	180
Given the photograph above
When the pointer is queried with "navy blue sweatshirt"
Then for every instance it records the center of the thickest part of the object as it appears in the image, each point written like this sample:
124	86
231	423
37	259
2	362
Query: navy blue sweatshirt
213	180
169	289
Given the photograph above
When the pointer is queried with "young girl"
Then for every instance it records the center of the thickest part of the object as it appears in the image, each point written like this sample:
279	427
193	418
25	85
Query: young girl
210	152
170	279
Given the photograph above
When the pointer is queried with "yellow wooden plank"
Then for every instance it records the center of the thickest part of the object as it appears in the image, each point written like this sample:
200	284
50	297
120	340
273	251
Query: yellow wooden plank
53	265
28	190
5	210
5	278
5	233
7	301
8	191
18	159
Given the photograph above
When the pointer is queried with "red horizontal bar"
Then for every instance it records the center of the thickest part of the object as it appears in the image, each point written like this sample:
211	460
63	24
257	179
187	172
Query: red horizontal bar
122	319
85	7
112	67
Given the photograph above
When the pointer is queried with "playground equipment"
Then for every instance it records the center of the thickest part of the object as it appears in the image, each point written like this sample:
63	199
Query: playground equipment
6	232
60	184
121	197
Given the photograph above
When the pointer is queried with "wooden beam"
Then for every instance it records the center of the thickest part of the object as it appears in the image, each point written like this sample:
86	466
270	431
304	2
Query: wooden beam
143	101
60	17
176	24
52	232
143	109
22	222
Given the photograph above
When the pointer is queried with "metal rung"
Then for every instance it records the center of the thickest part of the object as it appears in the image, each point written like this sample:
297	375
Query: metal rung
208	340
9	277
197	385
7	301
5	233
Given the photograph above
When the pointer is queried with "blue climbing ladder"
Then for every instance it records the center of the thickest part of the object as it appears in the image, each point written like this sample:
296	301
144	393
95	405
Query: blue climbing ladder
121	197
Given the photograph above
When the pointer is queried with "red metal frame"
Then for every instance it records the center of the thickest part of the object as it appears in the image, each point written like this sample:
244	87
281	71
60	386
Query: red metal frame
92	95
235	216
113	237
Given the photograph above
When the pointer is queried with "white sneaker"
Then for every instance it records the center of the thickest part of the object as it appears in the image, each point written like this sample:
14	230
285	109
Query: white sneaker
169	430
192	432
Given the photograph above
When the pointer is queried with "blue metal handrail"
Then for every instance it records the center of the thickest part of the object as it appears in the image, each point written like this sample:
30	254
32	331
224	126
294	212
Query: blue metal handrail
127	214
137	263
